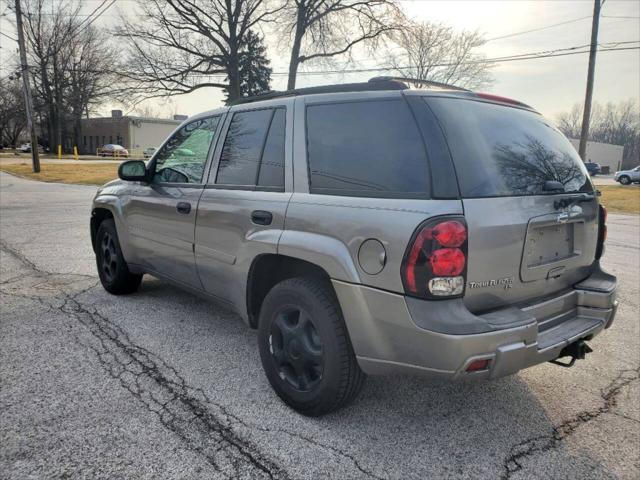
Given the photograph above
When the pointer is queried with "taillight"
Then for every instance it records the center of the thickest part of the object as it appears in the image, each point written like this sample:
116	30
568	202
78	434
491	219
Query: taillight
602	231
435	262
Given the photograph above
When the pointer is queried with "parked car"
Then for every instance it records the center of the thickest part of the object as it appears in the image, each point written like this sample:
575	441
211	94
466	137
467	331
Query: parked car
627	177
148	152
113	150
593	168
392	231
26	148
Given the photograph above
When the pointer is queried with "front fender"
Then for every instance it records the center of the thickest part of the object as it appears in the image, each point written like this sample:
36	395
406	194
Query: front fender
326	252
113	204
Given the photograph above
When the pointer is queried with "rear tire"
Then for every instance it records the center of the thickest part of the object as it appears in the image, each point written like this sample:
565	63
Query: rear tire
305	348
112	269
624	180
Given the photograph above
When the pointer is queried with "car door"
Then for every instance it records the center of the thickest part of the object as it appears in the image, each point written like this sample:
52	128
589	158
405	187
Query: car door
161	215
242	209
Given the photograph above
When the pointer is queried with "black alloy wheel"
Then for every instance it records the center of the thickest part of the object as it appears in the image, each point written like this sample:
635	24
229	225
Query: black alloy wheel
113	270
109	257
296	348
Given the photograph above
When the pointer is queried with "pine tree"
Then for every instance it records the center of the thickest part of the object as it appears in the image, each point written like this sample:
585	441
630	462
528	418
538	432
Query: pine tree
254	69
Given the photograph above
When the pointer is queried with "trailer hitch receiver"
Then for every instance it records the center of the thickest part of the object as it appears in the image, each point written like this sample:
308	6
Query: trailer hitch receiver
577	351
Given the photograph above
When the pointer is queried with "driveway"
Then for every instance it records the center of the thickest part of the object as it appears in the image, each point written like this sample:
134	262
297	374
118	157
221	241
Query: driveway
161	384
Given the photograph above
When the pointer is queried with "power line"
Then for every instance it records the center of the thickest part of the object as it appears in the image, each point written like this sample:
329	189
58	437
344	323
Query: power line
97	16
509	35
526	56
9	36
92	13
523	32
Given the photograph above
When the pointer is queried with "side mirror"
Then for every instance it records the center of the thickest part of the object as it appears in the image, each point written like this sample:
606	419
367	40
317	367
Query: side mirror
133	171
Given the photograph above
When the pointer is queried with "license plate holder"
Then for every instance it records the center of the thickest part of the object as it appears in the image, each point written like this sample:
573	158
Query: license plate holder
549	244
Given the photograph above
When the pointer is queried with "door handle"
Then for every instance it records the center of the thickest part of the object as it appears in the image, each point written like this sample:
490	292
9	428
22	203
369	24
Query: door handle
261	217
183	207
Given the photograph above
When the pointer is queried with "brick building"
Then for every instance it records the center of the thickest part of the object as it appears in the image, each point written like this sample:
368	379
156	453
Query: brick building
133	133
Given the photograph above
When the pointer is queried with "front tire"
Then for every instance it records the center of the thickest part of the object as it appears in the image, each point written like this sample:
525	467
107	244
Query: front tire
112	269
305	348
624	180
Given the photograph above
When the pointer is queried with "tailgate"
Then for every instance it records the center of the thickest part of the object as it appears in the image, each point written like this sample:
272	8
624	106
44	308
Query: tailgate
523	248
530	207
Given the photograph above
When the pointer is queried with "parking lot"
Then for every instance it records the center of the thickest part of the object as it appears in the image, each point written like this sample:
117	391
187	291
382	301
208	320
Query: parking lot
162	384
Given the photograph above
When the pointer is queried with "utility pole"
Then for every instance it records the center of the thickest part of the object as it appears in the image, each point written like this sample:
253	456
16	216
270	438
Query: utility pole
584	134
28	100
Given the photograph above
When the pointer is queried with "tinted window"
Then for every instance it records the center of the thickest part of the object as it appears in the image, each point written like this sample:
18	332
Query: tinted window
505	151
243	147
183	157
366	148
272	165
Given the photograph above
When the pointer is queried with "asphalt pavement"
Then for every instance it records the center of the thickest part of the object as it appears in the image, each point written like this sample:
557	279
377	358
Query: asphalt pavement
161	384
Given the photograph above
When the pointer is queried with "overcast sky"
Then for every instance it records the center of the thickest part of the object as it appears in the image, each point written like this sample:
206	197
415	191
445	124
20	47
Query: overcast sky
549	84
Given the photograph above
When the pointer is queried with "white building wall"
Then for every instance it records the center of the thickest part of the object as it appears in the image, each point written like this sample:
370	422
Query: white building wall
605	154
145	133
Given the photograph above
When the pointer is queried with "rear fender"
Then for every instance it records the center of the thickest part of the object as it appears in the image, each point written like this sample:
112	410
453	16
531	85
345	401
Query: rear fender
326	252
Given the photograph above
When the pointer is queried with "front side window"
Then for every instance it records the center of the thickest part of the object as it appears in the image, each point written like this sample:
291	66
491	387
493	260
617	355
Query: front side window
366	148
183	157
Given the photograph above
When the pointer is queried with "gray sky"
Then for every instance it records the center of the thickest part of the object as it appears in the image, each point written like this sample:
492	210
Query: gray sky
550	84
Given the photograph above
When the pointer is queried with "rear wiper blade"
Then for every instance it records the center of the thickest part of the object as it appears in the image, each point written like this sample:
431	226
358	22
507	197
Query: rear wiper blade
576	198
552	186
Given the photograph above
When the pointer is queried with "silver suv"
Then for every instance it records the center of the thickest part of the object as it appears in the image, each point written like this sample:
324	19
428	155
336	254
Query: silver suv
370	229
627	177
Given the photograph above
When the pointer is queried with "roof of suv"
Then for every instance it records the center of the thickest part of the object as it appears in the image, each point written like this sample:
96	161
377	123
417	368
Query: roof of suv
376	84
381	84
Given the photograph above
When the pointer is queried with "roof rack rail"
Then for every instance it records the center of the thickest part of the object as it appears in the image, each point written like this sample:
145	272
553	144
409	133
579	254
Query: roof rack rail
428	83
382	84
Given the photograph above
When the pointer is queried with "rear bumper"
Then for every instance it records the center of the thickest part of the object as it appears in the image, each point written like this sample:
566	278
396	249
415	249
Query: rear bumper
392	333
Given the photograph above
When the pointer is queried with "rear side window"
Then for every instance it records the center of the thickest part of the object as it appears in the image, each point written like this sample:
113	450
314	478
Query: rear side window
505	151
253	151
368	148
272	164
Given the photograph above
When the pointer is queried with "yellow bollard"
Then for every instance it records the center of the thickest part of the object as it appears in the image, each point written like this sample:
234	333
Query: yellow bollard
75	152
59	152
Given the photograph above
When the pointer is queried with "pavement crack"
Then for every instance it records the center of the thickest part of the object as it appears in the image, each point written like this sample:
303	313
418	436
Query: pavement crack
205	427
333	449
543	443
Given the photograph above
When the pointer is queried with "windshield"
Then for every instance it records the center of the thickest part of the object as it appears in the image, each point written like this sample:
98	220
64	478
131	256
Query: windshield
504	151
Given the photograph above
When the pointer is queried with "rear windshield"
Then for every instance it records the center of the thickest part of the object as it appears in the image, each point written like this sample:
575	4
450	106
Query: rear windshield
503	151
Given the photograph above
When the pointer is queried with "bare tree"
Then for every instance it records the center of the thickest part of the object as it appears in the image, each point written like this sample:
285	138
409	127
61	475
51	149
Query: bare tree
436	52
73	63
13	119
47	34
322	29
91	78
618	124
570	122
183	39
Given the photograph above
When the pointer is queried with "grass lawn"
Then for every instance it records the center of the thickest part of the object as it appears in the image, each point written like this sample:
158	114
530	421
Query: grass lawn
89	173
620	199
